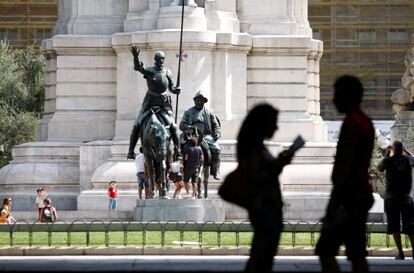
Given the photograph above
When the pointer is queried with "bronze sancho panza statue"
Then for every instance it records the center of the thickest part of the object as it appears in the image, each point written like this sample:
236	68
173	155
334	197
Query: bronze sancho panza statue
207	127
159	81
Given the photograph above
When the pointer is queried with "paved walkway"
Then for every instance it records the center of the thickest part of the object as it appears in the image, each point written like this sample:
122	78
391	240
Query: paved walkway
181	264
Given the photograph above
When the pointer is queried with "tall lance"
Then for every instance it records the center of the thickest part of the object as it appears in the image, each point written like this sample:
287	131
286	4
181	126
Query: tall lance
180	56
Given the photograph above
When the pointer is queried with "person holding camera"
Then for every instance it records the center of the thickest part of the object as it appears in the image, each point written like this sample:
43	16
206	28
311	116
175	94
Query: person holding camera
398	202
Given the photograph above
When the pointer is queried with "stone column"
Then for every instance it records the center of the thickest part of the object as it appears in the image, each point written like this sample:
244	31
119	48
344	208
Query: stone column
80	98
270	17
283	65
283	70
91	16
142	15
221	15
301	17
170	16
65	12
189	3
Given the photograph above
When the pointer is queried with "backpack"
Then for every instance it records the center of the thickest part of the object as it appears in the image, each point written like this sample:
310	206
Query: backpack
48	214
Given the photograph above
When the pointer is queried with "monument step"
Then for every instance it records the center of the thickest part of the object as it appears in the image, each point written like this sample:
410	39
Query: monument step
70	216
178	202
163	210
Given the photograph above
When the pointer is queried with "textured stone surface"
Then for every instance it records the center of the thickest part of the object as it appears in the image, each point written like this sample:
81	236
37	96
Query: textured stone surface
53	166
198	210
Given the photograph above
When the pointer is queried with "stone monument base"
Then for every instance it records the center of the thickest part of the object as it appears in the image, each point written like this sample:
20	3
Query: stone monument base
53	166
163	210
311	206
305	183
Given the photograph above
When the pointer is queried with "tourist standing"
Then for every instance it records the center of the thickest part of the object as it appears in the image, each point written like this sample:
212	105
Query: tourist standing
176	175
141	174
113	196
351	196
48	213
40	198
398	202
193	160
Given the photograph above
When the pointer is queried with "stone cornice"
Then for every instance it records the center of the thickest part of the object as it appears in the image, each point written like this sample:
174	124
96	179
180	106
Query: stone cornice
167	40
78	44
285	45
317	50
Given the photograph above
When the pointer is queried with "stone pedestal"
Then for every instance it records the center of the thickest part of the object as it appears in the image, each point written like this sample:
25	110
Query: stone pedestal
53	166
289	80
80	89
305	183
180	210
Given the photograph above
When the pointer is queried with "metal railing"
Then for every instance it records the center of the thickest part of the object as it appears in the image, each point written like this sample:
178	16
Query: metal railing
292	229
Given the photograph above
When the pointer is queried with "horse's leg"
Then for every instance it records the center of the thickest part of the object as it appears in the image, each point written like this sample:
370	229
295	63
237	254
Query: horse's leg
152	184
157	177
150	178
165	179
199	186
163	183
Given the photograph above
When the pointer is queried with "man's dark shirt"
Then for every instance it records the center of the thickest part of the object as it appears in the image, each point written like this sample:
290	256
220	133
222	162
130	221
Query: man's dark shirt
399	175
193	155
351	187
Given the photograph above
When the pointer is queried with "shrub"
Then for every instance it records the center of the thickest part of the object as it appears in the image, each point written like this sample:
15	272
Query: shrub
22	87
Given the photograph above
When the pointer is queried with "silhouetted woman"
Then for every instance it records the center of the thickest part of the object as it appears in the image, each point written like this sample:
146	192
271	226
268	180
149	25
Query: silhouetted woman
262	171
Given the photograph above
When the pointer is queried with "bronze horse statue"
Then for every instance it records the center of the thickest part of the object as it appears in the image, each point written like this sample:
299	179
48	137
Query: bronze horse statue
156	146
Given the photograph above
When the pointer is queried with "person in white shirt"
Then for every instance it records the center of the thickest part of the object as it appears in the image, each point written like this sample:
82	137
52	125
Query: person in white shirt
40	198
141	174
176	175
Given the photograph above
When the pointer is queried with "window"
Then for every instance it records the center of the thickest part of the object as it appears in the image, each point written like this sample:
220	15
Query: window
317	34
367	35
400	35
346	38
9	34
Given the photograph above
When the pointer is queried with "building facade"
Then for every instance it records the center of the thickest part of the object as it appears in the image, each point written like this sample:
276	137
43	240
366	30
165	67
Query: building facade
367	38
24	22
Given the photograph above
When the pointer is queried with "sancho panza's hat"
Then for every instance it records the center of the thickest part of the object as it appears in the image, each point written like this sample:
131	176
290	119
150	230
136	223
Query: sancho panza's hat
200	94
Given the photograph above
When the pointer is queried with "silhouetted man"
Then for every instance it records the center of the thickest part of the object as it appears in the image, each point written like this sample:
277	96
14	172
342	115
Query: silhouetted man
398	202
351	196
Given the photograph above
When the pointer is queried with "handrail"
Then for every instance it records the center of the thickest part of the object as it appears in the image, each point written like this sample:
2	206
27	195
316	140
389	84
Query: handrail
219	228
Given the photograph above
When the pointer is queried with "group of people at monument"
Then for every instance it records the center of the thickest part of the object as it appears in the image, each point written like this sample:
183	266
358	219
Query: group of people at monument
46	213
156	127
